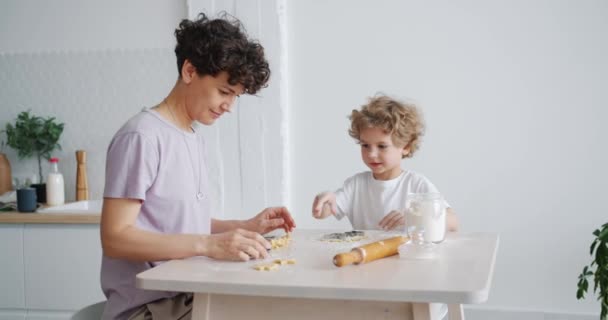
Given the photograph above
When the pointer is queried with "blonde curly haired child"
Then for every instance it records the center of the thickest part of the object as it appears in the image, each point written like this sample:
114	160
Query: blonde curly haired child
388	131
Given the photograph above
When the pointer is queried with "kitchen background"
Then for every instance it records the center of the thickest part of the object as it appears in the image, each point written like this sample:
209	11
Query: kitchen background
513	92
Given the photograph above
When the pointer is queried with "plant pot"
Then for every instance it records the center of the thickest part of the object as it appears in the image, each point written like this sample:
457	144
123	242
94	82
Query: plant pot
40	191
6	183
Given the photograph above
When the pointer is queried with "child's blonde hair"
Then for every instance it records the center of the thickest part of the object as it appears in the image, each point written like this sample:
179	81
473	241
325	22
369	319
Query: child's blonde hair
403	121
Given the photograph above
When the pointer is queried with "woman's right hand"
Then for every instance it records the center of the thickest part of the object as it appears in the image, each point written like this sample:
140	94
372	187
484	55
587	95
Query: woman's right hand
238	244
324	205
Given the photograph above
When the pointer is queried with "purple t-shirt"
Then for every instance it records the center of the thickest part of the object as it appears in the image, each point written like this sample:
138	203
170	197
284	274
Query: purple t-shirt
151	159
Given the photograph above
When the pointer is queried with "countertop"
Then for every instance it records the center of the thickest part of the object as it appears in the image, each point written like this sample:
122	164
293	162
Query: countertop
14	217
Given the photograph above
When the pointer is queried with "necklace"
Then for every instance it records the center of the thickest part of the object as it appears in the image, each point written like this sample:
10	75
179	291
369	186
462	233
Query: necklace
197	181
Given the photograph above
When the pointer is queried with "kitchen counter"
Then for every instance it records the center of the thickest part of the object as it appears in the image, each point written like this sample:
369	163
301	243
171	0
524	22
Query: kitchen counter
79	212
58	218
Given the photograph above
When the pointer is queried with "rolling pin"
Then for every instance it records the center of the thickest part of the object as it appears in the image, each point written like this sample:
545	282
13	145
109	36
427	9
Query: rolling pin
370	252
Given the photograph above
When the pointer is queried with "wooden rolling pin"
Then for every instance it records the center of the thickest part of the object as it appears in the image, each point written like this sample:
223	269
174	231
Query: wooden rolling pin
82	185
370	252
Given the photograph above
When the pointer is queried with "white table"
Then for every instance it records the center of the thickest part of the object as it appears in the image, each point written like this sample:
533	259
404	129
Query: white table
314	288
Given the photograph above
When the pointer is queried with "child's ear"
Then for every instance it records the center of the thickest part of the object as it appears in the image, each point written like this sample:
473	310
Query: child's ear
405	151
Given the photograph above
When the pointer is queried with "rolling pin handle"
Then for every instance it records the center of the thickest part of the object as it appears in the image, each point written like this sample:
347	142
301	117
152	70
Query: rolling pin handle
344	259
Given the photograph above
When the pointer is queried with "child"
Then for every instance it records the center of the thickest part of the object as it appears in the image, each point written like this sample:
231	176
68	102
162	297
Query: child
388	131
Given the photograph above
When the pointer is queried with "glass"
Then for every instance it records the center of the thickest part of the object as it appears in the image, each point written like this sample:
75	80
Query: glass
427	212
417	247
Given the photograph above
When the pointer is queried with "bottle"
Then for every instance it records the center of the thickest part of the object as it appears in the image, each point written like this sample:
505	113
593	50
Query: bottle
55	190
82	186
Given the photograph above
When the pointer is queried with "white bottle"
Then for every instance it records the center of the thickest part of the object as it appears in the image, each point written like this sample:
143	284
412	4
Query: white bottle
55	190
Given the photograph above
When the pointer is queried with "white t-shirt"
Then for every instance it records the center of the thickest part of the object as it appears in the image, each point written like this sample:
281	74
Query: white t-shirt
365	200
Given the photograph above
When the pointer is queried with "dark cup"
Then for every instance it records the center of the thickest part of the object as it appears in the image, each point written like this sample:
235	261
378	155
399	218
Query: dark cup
26	200
40	192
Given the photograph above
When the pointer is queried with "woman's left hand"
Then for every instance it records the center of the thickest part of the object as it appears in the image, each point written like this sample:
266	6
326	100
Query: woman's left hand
270	219
392	220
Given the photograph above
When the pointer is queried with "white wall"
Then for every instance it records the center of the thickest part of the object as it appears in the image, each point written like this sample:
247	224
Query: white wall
94	64
514	95
40	26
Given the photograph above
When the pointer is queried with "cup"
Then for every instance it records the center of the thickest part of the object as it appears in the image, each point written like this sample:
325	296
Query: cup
40	191
426	211
26	200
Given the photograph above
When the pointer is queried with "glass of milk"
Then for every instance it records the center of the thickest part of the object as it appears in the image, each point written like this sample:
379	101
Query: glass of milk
426	211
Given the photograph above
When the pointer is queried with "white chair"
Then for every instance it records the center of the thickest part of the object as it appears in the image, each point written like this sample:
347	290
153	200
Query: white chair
91	312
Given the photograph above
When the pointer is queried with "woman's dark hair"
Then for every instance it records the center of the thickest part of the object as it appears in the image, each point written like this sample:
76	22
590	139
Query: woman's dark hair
216	45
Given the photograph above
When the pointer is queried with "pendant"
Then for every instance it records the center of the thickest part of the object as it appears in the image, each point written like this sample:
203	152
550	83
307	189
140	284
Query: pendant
199	196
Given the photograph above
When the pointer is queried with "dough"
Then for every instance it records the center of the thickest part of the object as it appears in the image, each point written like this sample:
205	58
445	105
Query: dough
280	241
266	267
274	265
284	261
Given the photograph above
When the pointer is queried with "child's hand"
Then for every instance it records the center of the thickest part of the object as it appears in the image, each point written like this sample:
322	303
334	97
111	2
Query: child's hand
393	220
324	205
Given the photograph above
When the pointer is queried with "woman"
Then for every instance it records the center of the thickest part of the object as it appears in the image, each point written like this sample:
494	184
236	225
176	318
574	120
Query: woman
156	197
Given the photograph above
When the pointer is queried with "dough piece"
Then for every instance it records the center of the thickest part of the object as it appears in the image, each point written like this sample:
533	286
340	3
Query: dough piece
266	267
284	261
279	242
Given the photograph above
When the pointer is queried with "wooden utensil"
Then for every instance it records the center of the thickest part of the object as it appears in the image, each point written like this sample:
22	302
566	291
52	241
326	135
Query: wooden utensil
6	182
370	252
82	185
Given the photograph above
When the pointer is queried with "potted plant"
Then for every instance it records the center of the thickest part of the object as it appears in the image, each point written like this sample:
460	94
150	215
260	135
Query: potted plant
599	254
32	135
5	169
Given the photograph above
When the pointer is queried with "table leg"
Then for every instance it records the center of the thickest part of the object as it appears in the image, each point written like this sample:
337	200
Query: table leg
201	306
455	312
429	311
421	311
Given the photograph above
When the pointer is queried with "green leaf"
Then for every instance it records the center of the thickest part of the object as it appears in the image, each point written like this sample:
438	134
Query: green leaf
31	135
598	250
592	247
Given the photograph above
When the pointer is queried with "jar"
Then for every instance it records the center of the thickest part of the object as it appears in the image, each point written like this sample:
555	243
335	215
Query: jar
426	211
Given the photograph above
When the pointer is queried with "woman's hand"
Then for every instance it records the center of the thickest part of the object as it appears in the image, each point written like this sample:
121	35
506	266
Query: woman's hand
324	205
270	219
393	220
237	245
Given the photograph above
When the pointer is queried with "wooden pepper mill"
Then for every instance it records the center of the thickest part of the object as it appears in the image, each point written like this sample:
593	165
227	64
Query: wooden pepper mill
82	186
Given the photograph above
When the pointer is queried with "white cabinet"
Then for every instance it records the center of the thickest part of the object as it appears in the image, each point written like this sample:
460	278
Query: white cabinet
12	283
12	315
52	270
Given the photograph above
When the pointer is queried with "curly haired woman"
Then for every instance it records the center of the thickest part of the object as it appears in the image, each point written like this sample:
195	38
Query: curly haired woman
156	199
